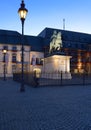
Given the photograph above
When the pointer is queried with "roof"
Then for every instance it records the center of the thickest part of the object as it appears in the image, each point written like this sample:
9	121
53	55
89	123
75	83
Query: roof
35	42
67	35
10	37
15	38
69	38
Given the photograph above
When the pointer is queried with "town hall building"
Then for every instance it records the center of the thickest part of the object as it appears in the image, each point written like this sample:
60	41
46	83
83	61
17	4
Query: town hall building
53	50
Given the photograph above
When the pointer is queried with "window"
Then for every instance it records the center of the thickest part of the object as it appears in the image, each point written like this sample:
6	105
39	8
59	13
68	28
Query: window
5	47
37	61
13	57
41	62
14	48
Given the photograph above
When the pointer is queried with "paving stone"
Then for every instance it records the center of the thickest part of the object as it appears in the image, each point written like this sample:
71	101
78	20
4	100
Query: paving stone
44	108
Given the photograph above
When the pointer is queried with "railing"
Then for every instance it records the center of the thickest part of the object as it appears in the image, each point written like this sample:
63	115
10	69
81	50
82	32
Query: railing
53	79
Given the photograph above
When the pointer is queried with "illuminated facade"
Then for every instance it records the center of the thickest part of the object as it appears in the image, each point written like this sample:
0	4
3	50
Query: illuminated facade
37	48
13	59
75	44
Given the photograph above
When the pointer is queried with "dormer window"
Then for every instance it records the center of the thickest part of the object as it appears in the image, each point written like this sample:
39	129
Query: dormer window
5	47
14	48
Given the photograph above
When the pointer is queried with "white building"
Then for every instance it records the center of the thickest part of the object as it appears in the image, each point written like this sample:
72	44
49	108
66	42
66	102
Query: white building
11	42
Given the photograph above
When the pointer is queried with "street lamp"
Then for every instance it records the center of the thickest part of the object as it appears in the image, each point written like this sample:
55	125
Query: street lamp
22	13
4	69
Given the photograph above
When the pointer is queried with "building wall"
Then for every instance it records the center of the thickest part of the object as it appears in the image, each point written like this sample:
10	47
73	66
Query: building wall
34	64
13	59
77	45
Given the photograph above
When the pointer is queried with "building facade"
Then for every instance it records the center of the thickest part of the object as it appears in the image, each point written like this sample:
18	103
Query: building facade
37	48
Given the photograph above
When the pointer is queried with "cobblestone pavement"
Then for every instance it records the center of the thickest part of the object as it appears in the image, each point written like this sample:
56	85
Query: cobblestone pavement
44	108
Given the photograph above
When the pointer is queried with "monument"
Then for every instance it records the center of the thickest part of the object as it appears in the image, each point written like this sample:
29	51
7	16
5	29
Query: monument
57	62
56	42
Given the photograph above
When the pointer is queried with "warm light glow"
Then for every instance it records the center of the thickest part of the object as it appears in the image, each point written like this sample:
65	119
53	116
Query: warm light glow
38	72
22	14
4	51
22	11
79	65
57	63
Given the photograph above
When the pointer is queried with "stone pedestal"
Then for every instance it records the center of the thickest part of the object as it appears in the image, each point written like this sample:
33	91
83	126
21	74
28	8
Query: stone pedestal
57	64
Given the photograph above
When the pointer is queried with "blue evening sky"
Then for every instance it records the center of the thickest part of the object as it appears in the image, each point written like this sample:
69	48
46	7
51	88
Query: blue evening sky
47	13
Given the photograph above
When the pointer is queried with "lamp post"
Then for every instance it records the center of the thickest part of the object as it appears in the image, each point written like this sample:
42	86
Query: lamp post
4	69
22	13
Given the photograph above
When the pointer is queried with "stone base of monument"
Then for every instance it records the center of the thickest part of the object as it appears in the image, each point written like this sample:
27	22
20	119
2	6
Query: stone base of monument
57	67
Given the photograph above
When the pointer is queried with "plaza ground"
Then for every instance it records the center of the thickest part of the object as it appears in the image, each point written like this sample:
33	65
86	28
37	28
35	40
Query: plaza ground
44	108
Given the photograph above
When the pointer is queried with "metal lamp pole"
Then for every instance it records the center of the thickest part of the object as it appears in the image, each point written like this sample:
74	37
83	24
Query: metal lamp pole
4	69
22	13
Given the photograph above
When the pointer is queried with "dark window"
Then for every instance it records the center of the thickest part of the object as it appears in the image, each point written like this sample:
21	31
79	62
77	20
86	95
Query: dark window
14	48
37	61
14	57
41	62
5	47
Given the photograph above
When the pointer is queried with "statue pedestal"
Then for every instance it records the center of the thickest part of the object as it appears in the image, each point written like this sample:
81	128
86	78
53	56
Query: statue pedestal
56	65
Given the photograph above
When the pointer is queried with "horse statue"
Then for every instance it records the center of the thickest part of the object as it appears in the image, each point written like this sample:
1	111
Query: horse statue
56	42
53	40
